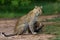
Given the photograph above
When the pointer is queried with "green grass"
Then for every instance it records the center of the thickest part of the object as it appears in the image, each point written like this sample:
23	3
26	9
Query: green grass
51	8
57	38
48	8
52	29
11	15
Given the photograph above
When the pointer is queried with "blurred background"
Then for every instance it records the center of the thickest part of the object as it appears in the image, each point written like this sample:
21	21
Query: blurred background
17	8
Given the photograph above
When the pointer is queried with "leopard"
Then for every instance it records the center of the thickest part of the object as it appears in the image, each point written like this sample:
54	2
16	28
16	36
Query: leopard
28	22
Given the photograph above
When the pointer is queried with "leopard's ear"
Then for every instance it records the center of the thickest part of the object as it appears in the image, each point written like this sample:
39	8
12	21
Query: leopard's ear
36	6
41	6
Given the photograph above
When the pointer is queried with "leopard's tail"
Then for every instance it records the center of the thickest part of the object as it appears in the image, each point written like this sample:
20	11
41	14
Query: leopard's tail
8	35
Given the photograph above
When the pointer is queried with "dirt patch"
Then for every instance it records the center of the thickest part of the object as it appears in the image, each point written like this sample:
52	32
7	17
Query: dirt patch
7	26
29	37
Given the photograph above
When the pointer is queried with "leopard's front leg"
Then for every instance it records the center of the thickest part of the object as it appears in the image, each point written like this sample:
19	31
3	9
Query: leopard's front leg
31	27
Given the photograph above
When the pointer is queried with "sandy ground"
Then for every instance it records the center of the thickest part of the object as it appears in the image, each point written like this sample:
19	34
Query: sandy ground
28	37
7	26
